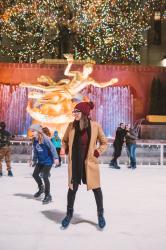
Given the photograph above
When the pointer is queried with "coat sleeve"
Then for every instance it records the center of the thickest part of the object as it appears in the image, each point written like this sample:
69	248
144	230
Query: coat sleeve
65	140
51	147
34	154
102	140
132	135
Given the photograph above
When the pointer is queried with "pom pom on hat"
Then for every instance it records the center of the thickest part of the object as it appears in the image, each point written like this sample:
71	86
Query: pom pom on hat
85	107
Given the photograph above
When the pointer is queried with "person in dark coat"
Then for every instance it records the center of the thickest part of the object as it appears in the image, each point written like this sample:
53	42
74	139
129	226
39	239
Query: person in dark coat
131	137
5	150
117	144
80	143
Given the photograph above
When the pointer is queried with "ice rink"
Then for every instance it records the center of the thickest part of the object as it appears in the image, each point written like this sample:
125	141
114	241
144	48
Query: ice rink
134	202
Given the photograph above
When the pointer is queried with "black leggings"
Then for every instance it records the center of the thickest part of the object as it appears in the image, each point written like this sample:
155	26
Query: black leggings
59	154
45	170
117	152
97	193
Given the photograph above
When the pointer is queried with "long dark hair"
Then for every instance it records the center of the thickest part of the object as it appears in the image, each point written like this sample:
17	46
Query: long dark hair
46	131
40	138
84	121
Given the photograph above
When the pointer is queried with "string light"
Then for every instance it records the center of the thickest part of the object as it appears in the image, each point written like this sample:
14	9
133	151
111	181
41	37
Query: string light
103	30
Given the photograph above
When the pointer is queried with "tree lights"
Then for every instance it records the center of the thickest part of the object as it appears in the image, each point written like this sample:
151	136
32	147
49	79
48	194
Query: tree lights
104	30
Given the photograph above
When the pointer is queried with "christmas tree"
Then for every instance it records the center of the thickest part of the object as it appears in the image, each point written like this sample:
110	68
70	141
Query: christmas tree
112	31
103	30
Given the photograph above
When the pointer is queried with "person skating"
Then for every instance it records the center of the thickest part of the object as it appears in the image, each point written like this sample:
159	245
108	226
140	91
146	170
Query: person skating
131	145
80	143
44	156
5	150
47	132
57	143
117	144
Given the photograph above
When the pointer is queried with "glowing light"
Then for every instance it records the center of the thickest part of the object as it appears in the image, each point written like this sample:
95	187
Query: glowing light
56	102
163	62
103	30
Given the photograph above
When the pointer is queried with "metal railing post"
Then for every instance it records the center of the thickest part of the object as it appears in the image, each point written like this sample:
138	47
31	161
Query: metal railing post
161	154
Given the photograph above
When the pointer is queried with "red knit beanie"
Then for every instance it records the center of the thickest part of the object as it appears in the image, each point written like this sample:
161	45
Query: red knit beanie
85	107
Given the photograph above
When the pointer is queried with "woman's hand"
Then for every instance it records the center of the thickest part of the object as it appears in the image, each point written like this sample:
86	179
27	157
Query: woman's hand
56	162
32	163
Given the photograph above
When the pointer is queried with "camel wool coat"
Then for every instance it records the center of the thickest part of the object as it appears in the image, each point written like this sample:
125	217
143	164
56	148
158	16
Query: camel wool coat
91	162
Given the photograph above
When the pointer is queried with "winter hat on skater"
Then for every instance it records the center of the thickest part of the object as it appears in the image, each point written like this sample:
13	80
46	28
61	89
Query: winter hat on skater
85	107
36	127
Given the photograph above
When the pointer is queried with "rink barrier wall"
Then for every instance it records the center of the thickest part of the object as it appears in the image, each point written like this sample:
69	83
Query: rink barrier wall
148	153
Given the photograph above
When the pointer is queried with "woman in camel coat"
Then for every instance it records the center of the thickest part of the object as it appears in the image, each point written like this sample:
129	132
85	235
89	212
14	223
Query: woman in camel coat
80	143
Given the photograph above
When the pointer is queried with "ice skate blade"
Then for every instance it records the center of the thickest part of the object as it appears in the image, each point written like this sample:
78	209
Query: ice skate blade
45	203
101	229
63	228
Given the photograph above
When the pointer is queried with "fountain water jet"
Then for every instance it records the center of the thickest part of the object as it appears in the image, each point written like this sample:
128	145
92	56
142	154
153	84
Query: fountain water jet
112	106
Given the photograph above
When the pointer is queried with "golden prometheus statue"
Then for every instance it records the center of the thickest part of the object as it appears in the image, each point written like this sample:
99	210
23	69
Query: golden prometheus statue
54	103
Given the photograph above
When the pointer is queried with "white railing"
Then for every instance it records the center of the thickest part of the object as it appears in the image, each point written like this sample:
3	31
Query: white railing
161	150
160	145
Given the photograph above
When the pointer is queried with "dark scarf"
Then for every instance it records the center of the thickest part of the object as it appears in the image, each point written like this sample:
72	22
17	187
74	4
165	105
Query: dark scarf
78	155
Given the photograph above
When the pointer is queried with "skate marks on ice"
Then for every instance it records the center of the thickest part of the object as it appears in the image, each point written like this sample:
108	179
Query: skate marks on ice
54	215
78	220
28	196
57	216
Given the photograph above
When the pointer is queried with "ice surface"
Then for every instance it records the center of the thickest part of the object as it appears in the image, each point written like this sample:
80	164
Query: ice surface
134	202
